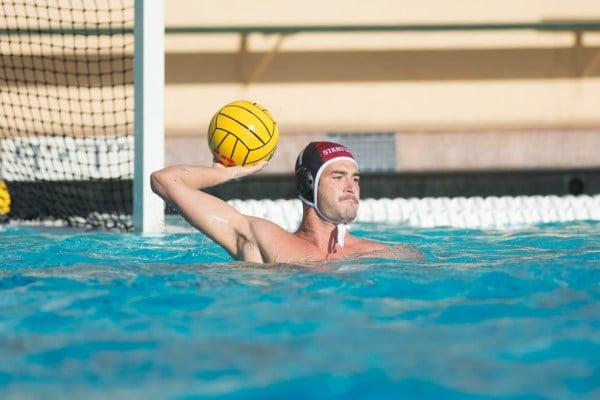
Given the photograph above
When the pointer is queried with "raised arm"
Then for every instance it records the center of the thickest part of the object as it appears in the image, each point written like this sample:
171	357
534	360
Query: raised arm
214	217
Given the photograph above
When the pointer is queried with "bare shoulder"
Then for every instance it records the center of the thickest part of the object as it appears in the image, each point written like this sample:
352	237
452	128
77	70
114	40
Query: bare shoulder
399	251
277	244
362	245
267	232
264	225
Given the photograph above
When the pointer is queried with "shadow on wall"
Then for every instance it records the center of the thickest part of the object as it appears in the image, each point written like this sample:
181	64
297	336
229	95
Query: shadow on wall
431	184
373	66
331	66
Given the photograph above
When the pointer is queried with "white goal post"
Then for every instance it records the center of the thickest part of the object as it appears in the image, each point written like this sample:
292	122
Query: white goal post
148	209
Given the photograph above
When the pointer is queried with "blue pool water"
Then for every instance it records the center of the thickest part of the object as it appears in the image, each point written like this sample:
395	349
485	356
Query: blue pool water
487	315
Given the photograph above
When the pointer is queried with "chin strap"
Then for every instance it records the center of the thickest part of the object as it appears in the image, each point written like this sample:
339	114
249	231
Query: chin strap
341	233
342	227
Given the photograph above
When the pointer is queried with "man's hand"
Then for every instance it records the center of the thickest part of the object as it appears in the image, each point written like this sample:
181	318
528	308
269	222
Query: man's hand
241	171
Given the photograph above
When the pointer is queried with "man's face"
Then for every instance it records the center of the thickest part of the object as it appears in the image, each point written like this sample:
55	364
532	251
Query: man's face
339	191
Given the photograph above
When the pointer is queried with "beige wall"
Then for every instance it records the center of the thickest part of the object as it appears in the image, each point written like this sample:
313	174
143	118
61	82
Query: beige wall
482	90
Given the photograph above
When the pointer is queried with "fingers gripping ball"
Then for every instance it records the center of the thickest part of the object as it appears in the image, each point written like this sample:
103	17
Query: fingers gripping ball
243	133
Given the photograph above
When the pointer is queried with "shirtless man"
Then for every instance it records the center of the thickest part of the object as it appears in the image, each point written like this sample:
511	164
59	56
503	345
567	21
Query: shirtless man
327	179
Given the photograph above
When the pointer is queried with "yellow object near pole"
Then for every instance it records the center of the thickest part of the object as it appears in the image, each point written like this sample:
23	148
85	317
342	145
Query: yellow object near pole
4	199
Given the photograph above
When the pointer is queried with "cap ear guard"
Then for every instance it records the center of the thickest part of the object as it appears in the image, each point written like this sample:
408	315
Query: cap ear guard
305	183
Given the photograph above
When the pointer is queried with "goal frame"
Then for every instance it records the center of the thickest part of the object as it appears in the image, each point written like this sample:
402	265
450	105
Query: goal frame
149	32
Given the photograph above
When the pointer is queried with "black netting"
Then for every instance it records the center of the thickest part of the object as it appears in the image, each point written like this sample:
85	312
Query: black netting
66	119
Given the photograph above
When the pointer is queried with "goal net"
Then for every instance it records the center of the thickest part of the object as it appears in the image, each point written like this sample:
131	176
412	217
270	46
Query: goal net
67	111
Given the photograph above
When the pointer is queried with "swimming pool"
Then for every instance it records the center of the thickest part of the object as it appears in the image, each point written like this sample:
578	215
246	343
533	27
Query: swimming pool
489	314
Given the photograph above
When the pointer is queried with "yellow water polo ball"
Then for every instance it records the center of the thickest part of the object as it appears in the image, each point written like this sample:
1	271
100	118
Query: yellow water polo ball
242	133
4	199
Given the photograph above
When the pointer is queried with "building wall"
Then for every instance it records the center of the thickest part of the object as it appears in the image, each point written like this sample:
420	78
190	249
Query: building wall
455	100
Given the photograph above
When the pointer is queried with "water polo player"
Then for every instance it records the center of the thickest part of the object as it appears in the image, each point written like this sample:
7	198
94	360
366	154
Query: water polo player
327	179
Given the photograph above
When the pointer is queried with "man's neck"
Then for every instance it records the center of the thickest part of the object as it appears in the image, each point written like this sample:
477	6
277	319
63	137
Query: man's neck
320	233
